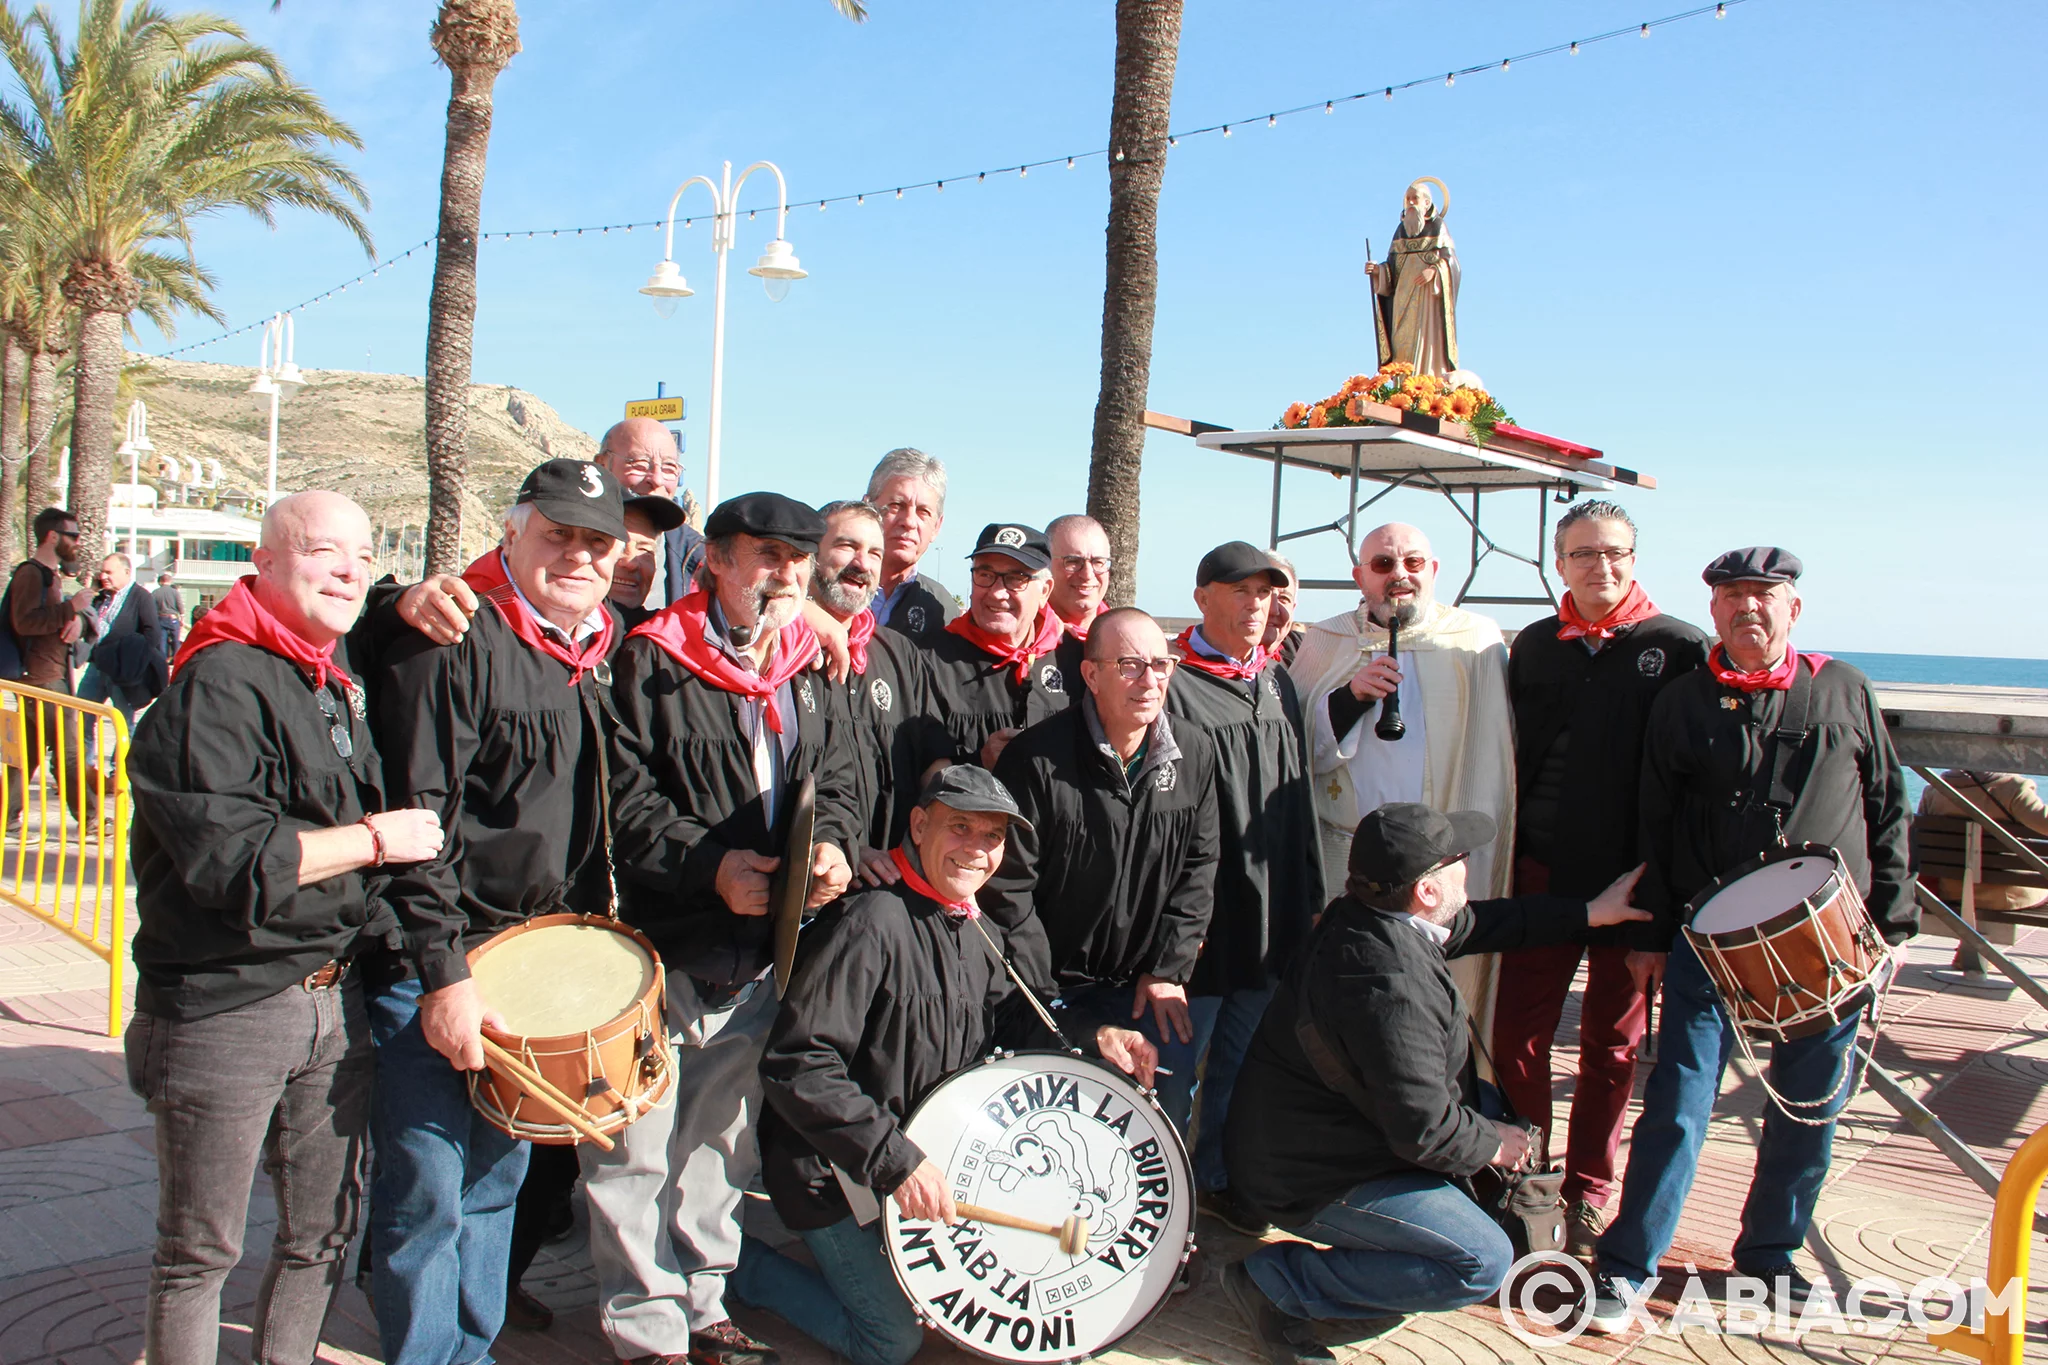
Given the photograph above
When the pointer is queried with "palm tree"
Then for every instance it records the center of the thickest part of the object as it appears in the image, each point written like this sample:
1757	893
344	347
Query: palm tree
142	122
1147	44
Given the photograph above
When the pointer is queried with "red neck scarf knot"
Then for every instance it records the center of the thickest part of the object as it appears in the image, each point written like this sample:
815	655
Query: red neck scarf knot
487	576
241	619
1235	670
966	909
1044	639
681	630
859	631
1635	606
1777	679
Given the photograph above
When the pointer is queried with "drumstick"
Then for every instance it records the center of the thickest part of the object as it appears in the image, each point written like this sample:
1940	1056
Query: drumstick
546	1093
1072	1234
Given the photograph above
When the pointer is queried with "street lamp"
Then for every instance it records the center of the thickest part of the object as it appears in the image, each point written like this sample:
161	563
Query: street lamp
277	377
776	268
135	445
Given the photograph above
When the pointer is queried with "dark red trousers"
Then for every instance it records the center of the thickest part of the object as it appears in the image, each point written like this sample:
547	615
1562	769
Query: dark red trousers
1534	984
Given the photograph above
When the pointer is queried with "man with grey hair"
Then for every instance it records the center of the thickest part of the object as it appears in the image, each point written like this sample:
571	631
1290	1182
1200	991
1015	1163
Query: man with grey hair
1283	632
908	488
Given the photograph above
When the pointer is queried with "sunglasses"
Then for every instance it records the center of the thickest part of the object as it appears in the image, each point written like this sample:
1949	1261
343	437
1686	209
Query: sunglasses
1386	563
337	723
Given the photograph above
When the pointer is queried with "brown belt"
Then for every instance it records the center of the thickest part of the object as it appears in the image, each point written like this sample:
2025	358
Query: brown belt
330	975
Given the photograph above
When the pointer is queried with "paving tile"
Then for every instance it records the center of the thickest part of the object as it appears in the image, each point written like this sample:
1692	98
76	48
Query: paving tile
48	1118
82	1166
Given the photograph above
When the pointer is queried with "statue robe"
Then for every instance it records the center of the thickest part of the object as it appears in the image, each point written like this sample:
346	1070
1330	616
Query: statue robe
1417	319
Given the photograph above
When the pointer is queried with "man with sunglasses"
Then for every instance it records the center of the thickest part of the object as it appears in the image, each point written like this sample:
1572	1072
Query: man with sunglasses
46	624
995	668
1080	570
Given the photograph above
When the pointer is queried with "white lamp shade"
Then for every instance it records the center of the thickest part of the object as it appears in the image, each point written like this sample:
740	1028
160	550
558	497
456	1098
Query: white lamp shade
127	448
263	390
667	282
290	379
779	262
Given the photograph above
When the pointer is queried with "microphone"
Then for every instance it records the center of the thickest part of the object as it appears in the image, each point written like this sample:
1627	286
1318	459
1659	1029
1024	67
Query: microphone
1389	726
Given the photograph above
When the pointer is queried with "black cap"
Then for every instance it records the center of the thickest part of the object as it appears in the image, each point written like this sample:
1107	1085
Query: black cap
665	513
964	787
1402	840
1236	560
1763	563
769	516
1024	544
577	493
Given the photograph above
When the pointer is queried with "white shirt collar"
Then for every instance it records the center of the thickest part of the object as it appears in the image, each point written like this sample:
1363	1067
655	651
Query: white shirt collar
1440	934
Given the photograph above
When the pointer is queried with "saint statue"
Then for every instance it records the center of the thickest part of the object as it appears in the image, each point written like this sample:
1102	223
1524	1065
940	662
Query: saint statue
1415	290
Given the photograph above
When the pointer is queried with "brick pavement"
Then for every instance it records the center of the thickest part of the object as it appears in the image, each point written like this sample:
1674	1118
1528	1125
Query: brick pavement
78	1190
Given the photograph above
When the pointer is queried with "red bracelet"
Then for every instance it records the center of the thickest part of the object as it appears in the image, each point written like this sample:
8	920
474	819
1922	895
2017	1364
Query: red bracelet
376	843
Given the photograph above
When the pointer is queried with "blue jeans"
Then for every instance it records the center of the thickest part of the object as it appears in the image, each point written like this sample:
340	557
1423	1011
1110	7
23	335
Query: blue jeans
441	1201
1224	1025
1694	1043
1112	1005
1408	1243
850	1304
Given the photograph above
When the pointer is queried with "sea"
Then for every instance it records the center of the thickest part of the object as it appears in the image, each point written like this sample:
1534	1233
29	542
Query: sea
1954	669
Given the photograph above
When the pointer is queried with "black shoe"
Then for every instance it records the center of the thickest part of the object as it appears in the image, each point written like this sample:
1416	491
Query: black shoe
1283	1339
524	1311
1788	1289
1224	1207
1607	1312
724	1343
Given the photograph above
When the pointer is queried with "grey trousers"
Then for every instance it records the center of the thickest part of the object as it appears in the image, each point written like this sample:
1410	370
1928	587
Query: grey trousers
285	1081
664	1202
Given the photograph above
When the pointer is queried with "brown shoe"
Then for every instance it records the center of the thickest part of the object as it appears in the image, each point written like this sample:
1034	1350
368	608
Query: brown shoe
723	1343
525	1312
1583	1224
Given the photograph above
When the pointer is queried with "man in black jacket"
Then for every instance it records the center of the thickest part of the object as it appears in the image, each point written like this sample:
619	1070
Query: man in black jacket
993	667
908	487
719	722
896	989
1106	888
1582	683
127	665
1764	747
1356	1110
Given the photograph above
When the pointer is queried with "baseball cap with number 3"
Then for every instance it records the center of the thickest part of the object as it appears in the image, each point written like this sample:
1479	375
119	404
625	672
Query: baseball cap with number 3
577	493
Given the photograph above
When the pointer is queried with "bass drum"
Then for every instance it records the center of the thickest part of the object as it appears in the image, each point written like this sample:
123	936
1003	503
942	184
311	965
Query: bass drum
1046	1136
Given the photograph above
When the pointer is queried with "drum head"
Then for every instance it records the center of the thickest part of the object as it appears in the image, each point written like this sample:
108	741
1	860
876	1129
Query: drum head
1046	1136
1764	893
557	979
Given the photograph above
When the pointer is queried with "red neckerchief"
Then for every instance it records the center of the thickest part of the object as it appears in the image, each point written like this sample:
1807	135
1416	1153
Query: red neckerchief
1045	638
679	629
1635	606
487	576
240	619
957	909
1234	670
1080	632
1777	679
859	631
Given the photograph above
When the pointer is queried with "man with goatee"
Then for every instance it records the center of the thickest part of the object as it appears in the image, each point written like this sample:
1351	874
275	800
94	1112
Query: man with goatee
993	667
719	723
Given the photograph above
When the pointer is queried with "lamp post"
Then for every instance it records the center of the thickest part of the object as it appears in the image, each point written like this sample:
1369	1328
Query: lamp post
277	377
776	268
135	445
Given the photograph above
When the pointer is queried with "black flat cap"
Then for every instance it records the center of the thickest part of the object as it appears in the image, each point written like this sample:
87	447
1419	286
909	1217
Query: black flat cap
577	493
1236	560
1025	544
964	787
1402	840
1762	563
769	516
665	513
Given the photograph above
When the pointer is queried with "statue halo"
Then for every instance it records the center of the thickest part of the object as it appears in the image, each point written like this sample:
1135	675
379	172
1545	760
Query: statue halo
1443	207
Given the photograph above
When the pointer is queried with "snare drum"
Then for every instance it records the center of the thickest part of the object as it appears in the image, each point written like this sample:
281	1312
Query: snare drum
1046	1136
1788	943
582	997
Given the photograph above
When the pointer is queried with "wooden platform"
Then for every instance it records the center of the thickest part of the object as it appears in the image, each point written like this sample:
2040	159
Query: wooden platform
1385	454
1998	729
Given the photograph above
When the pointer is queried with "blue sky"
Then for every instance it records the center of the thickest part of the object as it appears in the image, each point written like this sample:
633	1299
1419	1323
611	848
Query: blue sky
1787	262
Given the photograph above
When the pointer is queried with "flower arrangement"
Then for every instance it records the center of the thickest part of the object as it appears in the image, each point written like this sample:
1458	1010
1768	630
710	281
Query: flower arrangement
1398	388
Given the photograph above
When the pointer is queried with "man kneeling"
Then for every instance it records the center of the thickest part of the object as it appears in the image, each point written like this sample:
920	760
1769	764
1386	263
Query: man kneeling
1356	1118
895	989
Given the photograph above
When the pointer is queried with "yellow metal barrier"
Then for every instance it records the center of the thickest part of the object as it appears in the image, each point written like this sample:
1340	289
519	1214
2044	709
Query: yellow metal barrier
66	852
2003	1337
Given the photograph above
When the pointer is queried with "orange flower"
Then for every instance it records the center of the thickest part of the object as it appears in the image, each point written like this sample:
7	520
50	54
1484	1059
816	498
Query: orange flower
1461	404
1318	416
1397	367
1356	384
1297	413
1404	401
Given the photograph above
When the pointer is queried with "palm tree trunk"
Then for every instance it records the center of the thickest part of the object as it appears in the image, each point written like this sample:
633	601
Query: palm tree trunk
42	416
1147	44
96	383
475	39
13	398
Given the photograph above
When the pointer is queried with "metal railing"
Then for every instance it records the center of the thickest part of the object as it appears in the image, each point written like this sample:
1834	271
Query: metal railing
64	786
2002	1338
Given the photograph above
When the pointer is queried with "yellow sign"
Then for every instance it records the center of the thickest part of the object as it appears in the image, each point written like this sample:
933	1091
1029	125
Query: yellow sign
660	409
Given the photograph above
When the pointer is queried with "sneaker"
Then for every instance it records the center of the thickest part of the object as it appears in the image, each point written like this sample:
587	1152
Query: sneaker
1583	1224
525	1312
1224	1207
723	1343
1797	1288
1284	1340
1608	1312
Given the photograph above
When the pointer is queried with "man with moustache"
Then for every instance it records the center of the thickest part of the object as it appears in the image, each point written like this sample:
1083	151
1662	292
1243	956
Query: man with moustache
1762	748
719	723
47	623
498	735
641	454
1583	682
1108	882
1080	570
908	488
1269	871
993	668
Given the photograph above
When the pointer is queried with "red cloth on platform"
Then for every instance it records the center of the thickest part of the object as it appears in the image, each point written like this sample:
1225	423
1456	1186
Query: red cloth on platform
240	619
1635	606
1045	638
679	630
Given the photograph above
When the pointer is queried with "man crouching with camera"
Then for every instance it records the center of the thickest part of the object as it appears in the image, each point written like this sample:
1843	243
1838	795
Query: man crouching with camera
1355	1122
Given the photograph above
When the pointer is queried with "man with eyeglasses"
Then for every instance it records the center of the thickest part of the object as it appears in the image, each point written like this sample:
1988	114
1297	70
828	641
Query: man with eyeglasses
908	488
1080	570
1108	887
641	454
1583	682
995	668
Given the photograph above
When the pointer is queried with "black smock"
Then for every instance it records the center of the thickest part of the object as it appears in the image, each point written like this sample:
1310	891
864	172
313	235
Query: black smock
1269	869
1383	1002
922	611
1579	723
489	733
899	736
684	795
975	694
1117	876
230	766
1707	763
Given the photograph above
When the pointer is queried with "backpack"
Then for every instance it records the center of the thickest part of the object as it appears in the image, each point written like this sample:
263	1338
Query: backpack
13	656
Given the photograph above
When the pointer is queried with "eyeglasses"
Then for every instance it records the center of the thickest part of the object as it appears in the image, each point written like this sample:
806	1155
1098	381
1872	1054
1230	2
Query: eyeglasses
1132	667
337	723
1385	563
1015	581
644	466
1586	558
1095	567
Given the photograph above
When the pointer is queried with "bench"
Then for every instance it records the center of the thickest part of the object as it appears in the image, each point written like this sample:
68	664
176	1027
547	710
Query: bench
1955	848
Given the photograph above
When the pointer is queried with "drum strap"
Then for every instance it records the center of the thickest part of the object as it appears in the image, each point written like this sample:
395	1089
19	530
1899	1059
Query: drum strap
601	691
1786	742
1031	996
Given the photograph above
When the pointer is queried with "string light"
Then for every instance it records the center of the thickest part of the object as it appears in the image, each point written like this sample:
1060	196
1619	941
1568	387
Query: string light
1272	119
1504	62
1646	30
1070	163
1329	106
1450	78
1226	130
1575	49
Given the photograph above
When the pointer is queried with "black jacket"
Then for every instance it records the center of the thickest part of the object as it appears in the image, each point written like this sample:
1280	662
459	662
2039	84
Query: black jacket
974	694
1117	876
1579	723
923	610
489	733
1707	767
899	736
1384	1004
684	795
1269	869
230	766
129	652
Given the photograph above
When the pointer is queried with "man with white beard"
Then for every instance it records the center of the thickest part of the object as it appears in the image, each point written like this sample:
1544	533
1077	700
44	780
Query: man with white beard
1416	289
